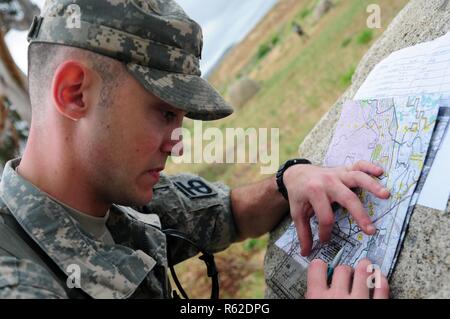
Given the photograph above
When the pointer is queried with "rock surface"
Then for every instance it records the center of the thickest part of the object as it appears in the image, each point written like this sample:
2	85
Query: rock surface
242	91
322	7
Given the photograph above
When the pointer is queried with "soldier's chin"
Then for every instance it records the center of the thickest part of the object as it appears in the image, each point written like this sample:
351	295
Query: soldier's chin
145	198
137	199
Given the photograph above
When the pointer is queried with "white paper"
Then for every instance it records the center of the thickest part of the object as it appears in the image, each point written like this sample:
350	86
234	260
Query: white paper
420	69
435	192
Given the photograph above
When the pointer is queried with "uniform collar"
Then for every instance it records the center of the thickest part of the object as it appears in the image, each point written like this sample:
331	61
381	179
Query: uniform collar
106	271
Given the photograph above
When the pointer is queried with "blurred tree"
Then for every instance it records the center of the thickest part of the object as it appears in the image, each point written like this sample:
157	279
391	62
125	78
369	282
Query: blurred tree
15	109
17	14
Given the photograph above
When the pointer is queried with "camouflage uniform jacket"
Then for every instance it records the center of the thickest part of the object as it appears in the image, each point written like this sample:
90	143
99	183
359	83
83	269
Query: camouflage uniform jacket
135	267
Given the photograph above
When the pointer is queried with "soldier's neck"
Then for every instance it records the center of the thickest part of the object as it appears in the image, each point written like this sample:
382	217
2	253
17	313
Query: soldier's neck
61	181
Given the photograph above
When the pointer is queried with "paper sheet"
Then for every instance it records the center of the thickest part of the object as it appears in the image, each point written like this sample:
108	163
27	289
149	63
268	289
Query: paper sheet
435	192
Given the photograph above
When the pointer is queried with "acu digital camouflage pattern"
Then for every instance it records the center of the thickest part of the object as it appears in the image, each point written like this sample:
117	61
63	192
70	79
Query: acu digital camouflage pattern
160	45
135	267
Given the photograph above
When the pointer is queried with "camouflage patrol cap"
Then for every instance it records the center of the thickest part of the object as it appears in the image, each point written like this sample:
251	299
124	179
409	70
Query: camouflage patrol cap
159	44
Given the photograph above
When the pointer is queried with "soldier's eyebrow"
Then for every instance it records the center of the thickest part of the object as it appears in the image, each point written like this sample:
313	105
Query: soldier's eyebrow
166	105
170	108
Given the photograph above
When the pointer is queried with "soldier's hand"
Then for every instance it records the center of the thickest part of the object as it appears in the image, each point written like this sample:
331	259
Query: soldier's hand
346	283
312	190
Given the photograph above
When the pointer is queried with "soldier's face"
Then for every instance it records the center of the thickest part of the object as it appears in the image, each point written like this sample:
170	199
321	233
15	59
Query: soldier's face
130	141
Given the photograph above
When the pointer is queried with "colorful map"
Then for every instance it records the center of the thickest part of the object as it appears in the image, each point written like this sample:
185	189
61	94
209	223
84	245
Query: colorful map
395	134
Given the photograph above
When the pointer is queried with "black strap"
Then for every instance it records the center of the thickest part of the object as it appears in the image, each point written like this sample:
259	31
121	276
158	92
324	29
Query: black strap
11	224
207	257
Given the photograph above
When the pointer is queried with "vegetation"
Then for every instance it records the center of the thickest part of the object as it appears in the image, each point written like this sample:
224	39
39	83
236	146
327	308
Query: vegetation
365	37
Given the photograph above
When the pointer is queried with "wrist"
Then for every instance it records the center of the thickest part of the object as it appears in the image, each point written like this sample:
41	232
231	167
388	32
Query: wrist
293	172
282	177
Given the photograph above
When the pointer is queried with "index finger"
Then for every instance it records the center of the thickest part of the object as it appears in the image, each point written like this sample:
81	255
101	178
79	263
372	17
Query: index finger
366	167
363	180
317	276
352	203
360	288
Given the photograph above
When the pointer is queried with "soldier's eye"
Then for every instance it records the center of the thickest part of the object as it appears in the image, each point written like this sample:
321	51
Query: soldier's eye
169	116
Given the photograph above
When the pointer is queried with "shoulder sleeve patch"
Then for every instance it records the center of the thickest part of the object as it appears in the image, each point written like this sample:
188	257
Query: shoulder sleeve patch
195	188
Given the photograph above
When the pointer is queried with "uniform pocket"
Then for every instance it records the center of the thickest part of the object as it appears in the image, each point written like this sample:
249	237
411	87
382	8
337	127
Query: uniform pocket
23	279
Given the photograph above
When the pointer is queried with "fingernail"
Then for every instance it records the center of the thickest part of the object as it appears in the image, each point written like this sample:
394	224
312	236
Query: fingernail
385	191
371	229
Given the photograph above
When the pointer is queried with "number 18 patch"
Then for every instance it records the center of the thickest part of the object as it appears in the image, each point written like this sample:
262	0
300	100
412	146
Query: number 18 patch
195	188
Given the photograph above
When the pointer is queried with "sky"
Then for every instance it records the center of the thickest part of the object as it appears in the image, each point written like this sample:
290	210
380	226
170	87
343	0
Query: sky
224	23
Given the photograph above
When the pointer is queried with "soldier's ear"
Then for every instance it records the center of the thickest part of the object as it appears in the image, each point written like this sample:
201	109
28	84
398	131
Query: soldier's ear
69	87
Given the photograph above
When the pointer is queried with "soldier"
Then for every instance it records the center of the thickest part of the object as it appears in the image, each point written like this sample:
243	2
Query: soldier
296	27
109	83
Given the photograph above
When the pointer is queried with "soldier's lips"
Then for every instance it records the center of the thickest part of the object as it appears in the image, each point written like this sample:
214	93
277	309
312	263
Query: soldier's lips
154	173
